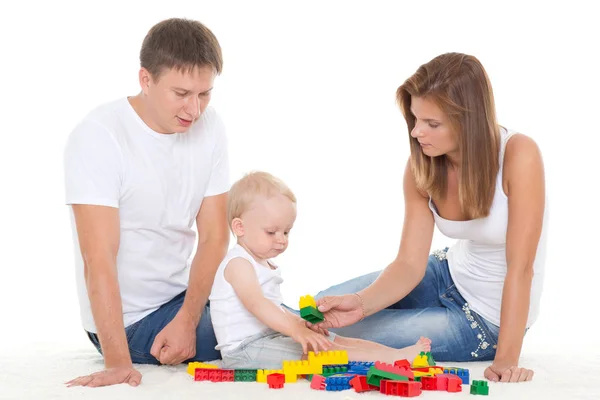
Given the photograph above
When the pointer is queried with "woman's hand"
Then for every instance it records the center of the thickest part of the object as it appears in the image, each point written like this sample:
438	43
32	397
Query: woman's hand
340	311
498	372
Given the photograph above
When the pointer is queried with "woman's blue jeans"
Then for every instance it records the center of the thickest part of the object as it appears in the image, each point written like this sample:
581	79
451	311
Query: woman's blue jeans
434	309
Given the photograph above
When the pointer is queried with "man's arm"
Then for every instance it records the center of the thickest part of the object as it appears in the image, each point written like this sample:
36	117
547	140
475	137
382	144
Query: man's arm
177	341
98	233
213	241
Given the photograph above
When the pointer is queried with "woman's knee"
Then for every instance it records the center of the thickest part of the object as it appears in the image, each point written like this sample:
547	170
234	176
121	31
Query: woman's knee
350	286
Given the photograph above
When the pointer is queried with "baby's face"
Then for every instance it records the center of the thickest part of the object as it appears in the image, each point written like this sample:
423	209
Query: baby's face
267	224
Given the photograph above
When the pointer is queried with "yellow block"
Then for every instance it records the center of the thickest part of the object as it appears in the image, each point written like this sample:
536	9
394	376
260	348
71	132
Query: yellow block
307	301
191	369
301	367
261	375
419	373
420	362
328	358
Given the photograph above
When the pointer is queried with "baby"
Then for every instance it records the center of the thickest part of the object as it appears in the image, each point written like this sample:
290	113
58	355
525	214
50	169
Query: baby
253	330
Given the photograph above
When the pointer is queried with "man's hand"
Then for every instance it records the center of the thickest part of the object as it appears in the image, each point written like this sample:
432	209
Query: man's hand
110	376
176	342
500	372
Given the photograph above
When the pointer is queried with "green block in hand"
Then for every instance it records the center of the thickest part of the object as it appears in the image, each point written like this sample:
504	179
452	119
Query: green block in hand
311	314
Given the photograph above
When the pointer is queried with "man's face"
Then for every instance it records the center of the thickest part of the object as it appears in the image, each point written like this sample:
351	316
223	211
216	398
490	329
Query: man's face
177	98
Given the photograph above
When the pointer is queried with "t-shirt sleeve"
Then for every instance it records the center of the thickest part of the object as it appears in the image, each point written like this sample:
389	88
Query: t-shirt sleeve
92	166
219	176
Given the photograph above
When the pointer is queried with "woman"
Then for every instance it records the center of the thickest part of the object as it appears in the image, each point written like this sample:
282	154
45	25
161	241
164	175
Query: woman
478	183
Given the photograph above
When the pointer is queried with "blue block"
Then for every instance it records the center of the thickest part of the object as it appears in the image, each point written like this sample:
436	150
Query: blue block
462	373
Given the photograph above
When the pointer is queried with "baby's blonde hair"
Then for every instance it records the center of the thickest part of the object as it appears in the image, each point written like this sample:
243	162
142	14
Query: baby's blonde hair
254	184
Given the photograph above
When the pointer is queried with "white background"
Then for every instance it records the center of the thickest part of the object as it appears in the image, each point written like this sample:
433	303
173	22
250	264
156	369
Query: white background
307	93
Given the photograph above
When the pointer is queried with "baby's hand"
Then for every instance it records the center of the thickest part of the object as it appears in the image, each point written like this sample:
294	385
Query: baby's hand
306	337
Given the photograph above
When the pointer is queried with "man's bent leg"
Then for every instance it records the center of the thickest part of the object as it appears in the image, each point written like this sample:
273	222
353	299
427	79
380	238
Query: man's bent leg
141	335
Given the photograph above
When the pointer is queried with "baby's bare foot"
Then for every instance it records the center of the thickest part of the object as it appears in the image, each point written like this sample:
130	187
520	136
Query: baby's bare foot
410	352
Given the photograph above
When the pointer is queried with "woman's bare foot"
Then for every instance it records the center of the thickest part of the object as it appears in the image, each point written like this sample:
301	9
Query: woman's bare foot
409	353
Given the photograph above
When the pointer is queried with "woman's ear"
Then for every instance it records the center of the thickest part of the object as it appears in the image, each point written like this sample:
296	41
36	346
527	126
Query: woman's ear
237	226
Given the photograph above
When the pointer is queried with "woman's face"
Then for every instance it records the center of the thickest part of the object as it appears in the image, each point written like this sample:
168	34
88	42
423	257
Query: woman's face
432	128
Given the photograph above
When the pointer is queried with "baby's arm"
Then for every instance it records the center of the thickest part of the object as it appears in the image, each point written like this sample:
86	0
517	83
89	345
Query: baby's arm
241	276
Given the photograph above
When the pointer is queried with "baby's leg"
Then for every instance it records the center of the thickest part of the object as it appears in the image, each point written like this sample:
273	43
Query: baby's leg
364	350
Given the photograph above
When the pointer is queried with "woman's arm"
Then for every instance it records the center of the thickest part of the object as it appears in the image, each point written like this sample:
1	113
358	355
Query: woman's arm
408	269
524	172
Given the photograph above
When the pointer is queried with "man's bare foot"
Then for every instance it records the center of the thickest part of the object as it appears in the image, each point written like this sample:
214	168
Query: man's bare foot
410	352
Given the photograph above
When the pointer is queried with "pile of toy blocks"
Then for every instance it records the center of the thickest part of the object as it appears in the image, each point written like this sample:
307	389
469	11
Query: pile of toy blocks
332	371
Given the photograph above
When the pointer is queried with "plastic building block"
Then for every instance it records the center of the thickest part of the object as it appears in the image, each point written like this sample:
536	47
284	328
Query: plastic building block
317	382
429	370
429	383
275	381
402	364
307	301
430	359
301	368
311	315
400	388
191	369
261	374
309	311
329	370
328	358
214	375
244	375
337	383
462	373
359	383
480	387
418	374
392	369
375	376
449	383
420	361
359	367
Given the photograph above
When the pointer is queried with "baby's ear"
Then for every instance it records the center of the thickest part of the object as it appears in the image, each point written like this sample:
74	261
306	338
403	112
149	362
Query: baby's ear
237	226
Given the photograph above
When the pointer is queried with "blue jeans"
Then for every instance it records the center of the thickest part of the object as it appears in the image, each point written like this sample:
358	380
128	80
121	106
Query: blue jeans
140	335
434	309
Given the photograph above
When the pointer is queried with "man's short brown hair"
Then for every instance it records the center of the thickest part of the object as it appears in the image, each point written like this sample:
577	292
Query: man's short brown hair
182	44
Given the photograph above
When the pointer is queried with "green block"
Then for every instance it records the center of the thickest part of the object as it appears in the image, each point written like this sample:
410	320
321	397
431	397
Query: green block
430	359
244	375
328	371
311	314
417	379
374	376
480	387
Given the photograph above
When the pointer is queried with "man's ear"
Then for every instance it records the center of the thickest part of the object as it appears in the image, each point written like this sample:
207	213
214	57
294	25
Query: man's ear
145	80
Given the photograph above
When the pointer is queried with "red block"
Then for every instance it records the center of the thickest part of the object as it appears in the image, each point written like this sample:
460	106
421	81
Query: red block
400	388
452	384
402	364
409	389
276	380
201	374
318	382
393	369
213	375
359	383
429	383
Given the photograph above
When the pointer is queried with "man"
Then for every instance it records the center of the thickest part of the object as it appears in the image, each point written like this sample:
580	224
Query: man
138	172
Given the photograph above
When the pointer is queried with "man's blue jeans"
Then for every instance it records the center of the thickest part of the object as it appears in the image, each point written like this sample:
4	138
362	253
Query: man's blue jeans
434	309
140	335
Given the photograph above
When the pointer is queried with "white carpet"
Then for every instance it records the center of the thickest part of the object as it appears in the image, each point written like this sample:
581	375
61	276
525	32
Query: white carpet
39	373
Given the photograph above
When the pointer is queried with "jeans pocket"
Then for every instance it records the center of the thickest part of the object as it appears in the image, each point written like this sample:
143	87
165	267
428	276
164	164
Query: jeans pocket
131	329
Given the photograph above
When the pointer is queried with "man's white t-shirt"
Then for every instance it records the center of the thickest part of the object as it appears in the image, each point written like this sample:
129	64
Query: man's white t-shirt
158	182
